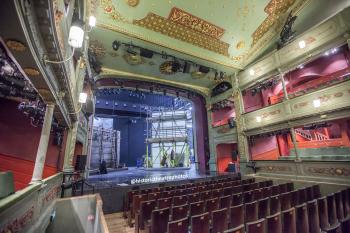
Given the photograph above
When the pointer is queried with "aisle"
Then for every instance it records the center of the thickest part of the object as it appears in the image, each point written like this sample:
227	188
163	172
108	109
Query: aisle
117	224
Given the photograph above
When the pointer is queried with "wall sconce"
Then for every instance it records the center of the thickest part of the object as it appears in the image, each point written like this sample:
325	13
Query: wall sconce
302	44
82	98
317	103
258	119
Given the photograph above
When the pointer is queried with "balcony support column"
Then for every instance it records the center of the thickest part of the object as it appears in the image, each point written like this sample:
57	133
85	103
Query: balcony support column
43	144
285	93
295	144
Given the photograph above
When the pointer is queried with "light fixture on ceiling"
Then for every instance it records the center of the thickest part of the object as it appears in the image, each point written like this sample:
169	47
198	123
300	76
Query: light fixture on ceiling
252	72
115	45
326	53
258	119
302	44
301	66
76	34
82	98
334	50
92	21
317	103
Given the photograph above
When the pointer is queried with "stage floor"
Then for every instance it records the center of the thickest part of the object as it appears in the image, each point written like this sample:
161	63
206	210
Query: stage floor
141	176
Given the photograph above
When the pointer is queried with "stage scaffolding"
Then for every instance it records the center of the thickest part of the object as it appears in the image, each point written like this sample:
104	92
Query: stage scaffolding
167	142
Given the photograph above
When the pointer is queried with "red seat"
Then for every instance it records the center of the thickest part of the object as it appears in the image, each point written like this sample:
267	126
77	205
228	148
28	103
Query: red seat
302	197
239	229
197	208
335	229
194	197
285	199
236	216
302	219
216	193
313	217
275	190
205	195
316	191
263	208
237	199
219	221
237	189
179	212
275	204
266	192
180	200
309	193
339	205
159	221
178	226
332	212
164	203
323	212
274	223
211	205
256	226
225	201
144	216
247	196
294	198
154	196
345	225
251	211
200	223
289	221
257	194
136	203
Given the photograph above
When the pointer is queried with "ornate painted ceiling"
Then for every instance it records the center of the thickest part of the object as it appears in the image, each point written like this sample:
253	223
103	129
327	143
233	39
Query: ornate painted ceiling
221	34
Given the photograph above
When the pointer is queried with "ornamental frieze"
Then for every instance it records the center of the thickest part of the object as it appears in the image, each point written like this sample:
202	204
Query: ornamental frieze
275	168
188	20
329	171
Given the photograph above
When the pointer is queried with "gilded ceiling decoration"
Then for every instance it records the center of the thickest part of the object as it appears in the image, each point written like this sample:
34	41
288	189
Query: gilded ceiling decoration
112	11
186	19
178	31
133	59
31	71
15	45
274	9
97	48
133	3
166	68
197	74
240	44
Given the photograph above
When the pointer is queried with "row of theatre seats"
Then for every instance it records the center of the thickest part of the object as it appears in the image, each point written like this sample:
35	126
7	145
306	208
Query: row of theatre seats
231	205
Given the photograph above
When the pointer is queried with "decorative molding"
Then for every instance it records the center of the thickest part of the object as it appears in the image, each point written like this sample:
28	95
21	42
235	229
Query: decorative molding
275	168
133	59
133	3
16	46
97	48
329	171
178	31
31	71
186	19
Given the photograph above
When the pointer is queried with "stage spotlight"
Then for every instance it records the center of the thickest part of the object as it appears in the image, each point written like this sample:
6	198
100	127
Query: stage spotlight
115	45
131	51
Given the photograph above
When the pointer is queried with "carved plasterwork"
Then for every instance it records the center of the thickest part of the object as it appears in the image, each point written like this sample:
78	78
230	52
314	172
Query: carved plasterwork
112	11
329	171
275	168
186	19
97	48
31	71
133	59
16	46
178	31
133	3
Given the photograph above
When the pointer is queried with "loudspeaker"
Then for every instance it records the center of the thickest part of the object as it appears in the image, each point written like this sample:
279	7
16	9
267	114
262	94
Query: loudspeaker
234	155
231	122
187	67
146	53
204	69
80	162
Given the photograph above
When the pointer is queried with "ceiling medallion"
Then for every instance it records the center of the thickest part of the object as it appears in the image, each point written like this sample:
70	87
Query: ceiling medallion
197	74
31	71
132	3
167	68
240	44
15	45
133	59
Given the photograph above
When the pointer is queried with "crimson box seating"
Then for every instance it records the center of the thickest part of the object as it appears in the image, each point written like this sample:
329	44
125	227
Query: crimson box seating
247	206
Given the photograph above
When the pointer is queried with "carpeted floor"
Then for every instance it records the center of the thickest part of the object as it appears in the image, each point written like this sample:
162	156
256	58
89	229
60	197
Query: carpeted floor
117	224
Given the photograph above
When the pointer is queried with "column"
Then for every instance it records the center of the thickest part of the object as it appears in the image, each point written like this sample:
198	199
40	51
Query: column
43	144
295	144
70	146
285	93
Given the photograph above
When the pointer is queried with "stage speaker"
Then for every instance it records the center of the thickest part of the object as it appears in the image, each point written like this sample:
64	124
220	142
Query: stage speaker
234	155
231	122
146	53
204	69
187	67
80	162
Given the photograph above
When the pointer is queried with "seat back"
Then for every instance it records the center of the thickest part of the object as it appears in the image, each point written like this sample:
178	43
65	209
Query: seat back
323	212
274	223
247	196
145	212
212	204
285	201
237	189
237	199
309	193
345	225
178	226
225	201
227	191
219	220
316	191
275	204
339	205
257	194
332	212
335	229
263	208
194	197
216	193
179	200
302	196
200	223
283	188
205	195
196	208
289	221
154	196
179	212
256	226
294	198
251	211
236	217
346	202
275	190
159	220
164	203
266	192
239	229
313	217
302	219
136	203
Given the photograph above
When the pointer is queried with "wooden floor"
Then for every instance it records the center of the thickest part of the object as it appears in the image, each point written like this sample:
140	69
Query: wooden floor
117	224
